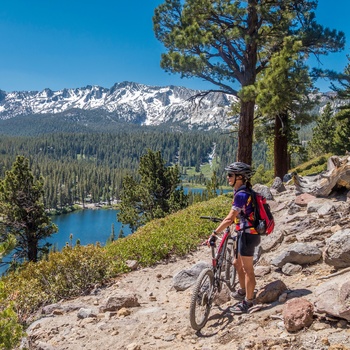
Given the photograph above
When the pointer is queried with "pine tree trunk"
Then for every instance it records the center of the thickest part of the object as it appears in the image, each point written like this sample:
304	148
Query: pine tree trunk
281	157
33	250
245	132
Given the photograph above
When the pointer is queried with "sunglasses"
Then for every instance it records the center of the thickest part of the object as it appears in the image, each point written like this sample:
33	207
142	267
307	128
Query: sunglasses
230	175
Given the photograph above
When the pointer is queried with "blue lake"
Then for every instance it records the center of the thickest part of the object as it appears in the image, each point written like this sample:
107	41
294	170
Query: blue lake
89	226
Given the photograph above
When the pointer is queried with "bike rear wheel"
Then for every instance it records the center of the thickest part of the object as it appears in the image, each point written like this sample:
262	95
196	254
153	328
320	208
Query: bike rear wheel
201	300
230	270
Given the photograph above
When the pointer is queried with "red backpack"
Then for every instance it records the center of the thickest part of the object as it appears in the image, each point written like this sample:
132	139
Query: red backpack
263	222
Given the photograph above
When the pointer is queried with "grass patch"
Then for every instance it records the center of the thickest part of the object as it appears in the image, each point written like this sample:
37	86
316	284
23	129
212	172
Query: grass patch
313	166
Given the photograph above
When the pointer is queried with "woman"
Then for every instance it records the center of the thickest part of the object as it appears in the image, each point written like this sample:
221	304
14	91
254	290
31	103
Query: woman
238	175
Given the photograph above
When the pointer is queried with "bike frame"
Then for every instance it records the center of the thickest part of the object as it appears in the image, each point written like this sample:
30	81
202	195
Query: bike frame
219	256
220	250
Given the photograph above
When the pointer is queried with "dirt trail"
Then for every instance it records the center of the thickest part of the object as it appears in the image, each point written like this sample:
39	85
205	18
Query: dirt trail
162	319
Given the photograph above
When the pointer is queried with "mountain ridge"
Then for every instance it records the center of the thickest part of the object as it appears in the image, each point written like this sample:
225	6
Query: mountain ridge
133	103
128	101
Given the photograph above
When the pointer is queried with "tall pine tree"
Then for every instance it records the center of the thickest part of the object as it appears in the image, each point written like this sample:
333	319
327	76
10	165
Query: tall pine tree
283	100
22	212
229	42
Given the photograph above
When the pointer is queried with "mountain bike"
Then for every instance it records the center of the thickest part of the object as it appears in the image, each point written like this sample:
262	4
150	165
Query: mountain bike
210	280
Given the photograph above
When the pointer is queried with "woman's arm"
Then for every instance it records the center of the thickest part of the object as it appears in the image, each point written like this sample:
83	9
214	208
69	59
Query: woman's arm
227	221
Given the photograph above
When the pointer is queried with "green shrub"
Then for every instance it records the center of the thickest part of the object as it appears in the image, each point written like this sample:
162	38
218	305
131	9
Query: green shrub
74	271
178	234
263	176
10	330
62	275
313	166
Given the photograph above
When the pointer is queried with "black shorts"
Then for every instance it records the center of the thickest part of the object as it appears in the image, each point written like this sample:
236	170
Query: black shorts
247	243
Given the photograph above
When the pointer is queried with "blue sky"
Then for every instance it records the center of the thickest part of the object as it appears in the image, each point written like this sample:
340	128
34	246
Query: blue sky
71	44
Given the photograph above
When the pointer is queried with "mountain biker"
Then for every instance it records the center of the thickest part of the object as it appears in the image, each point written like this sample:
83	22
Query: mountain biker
238	176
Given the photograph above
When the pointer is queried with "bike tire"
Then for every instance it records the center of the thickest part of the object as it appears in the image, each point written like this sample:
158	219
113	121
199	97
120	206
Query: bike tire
201	300
230	270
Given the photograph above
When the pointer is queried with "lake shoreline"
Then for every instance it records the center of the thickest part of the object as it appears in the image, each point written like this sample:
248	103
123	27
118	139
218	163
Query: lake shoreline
79	206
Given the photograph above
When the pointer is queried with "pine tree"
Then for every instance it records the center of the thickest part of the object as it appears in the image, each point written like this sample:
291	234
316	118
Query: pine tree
323	133
154	195
22	211
342	117
121	234
225	42
283	100
111	238
212	186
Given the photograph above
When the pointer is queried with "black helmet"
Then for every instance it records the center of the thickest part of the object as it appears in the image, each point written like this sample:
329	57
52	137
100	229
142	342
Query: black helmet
240	168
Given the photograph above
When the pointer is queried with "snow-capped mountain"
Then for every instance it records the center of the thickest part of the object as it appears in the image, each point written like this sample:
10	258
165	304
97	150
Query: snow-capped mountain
131	102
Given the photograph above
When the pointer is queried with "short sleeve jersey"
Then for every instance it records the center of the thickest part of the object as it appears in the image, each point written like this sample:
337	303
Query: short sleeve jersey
242	202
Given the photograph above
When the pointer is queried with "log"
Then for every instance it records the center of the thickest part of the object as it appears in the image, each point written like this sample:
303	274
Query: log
321	185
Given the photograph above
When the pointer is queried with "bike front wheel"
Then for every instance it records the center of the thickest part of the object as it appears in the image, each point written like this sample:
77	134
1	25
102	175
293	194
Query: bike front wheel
201	300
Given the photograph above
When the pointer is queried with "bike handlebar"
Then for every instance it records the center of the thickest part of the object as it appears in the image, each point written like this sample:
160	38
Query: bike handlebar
211	218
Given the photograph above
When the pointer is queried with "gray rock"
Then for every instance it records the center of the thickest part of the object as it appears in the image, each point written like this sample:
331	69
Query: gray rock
271	292
291	269
326	209
263	190
117	301
287	177
278	185
333	297
260	271
293	209
298	253
132	264
85	313
315	205
48	309
186	278
271	241
337	251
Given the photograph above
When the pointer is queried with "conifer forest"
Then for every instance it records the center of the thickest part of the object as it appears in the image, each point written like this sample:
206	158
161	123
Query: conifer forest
81	167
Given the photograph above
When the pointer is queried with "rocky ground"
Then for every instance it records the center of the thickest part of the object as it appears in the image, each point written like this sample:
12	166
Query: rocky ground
158	317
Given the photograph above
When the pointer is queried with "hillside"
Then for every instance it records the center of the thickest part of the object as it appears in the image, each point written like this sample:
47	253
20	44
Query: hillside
156	316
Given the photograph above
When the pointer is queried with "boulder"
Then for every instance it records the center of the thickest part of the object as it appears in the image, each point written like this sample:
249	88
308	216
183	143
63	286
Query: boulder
337	251
186	278
263	190
278	185
291	269
272	240
85	313
270	292
333	297
297	314
298	253
119	300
